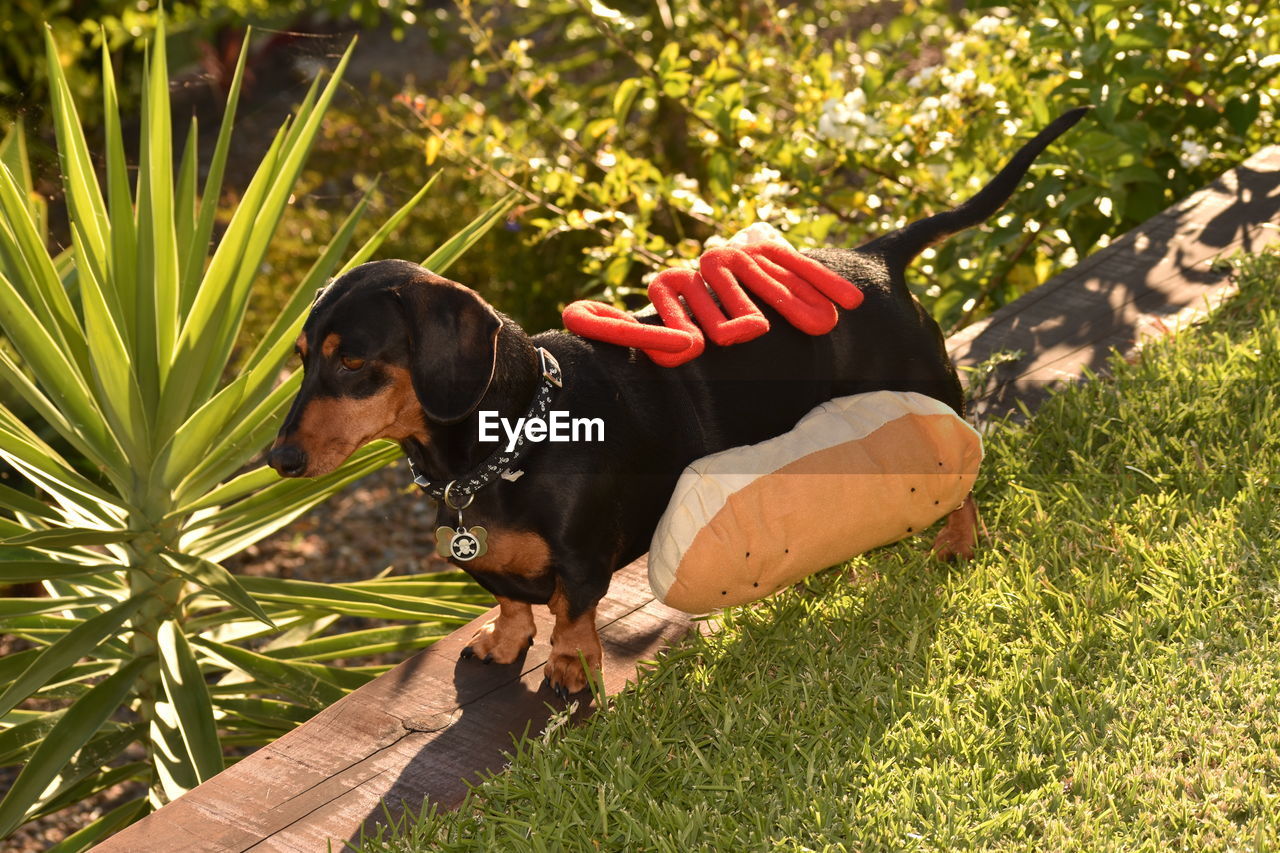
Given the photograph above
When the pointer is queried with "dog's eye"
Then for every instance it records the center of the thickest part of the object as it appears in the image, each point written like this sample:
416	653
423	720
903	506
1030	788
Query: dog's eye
351	363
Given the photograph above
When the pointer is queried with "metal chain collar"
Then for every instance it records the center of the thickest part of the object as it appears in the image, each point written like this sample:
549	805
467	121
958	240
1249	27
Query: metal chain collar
457	493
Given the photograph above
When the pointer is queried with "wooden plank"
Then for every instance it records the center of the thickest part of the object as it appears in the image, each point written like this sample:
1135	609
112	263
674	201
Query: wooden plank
433	723
1160	271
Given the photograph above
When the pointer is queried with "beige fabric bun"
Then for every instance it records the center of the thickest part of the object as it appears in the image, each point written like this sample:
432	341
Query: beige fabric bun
855	473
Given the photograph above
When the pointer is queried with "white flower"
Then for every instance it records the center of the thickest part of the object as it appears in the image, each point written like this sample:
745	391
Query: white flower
961	80
987	90
1228	31
828	128
924	75
1193	154
684	182
687	191
841	119
986	25
1177	55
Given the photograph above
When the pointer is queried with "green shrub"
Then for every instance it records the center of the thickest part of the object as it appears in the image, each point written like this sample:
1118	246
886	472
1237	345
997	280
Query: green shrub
82	27
649	128
366	148
120	346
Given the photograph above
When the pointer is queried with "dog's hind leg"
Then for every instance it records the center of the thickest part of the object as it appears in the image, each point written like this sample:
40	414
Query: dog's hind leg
504	639
959	535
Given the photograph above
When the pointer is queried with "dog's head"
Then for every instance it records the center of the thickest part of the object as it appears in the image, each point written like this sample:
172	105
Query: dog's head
388	350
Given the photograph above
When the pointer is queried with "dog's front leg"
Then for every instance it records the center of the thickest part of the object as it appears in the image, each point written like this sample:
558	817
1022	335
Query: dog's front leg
959	535
574	634
505	638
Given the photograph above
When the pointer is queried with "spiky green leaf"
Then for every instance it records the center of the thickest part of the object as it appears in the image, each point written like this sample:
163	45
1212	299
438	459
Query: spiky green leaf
72	646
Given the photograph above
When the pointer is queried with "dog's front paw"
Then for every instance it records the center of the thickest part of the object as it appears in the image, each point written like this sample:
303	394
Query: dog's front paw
500	641
565	675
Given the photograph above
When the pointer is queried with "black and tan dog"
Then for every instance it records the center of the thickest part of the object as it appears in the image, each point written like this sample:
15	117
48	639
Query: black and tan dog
393	351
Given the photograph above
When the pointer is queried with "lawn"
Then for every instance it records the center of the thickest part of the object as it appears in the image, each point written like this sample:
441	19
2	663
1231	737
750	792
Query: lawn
1105	674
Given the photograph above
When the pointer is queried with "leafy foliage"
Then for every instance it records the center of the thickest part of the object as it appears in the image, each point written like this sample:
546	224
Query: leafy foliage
120	348
648	129
82	27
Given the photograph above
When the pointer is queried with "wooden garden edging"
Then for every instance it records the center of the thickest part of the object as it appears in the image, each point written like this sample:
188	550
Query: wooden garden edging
433	722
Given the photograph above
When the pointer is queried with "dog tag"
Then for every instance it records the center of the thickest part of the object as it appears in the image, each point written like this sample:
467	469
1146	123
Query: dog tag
461	543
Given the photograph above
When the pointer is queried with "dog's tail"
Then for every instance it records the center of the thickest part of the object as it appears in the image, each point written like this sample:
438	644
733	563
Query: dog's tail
899	247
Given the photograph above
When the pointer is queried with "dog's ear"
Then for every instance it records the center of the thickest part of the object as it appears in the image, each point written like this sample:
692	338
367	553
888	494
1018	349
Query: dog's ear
453	346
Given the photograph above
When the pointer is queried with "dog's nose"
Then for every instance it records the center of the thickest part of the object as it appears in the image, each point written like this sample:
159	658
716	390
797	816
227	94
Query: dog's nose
288	460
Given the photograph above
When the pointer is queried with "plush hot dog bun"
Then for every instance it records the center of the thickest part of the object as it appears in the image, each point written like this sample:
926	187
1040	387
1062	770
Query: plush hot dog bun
855	473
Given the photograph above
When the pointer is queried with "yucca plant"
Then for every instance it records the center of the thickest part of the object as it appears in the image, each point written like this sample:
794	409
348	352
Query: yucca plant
146	659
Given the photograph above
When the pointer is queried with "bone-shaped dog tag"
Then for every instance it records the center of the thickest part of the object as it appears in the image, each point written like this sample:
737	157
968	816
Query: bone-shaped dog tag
461	543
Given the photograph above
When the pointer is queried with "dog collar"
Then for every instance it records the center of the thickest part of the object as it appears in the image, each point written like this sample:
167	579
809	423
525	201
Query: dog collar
457	493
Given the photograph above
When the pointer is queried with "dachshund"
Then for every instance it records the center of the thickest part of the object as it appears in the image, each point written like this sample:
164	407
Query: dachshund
393	351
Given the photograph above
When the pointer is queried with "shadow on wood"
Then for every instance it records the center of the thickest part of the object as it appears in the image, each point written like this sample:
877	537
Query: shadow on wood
1146	280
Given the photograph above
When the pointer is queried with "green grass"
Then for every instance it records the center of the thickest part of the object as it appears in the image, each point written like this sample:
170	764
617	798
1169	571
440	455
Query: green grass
1105	675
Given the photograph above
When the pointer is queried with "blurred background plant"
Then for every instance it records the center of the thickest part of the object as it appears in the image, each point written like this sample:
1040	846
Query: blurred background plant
638	129
208	30
144	659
